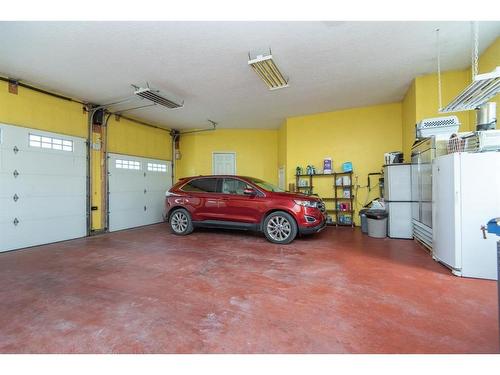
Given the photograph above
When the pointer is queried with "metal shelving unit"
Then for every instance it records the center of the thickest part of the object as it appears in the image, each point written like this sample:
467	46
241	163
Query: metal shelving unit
344	213
336	199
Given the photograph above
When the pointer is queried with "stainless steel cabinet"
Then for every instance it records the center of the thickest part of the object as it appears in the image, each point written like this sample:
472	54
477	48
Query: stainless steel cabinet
421	158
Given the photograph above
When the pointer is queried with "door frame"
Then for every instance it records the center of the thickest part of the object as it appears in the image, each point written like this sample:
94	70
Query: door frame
223	152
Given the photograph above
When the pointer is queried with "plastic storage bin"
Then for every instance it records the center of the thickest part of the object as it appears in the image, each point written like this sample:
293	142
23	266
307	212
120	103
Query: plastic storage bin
363	220
377	223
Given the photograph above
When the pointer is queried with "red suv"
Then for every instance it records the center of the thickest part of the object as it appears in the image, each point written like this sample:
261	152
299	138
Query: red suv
242	203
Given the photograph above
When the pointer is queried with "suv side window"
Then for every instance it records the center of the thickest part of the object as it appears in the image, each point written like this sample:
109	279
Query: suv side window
234	186
201	185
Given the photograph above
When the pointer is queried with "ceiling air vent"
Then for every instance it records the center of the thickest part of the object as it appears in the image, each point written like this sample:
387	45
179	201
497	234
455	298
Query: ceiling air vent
155	97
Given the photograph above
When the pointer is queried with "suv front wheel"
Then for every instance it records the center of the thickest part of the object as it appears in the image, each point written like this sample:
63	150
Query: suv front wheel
280	227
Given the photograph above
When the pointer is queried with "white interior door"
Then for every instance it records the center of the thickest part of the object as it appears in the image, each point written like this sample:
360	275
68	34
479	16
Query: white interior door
137	189
42	187
281	178
224	163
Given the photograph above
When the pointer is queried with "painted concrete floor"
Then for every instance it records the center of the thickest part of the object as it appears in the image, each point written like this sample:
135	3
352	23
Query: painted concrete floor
148	291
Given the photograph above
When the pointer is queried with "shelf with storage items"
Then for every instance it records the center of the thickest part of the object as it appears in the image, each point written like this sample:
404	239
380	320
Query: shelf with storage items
309	189
309	179
344	203
343	211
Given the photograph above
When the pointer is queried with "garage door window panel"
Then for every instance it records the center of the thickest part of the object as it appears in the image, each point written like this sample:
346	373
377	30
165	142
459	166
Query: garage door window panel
127	164
154	167
51	143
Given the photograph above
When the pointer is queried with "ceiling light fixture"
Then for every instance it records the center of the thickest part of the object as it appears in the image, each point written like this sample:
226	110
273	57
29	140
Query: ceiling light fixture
153	96
268	71
483	86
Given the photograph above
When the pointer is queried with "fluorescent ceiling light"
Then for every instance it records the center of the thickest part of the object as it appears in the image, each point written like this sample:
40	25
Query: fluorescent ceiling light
153	96
268	71
484	87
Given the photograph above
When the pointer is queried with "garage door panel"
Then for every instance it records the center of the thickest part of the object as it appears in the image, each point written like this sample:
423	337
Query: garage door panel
126	201
42	163
18	136
42	185
45	199
136	196
155	211
125	219
43	207
31	232
127	184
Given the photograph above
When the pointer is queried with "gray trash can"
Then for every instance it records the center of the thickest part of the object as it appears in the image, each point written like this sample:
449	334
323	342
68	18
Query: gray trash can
377	223
363	220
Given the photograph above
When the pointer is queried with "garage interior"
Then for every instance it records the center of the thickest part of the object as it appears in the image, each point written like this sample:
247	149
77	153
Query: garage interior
93	136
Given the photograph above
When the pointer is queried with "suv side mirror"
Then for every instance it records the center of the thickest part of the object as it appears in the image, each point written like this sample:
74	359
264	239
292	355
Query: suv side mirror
249	191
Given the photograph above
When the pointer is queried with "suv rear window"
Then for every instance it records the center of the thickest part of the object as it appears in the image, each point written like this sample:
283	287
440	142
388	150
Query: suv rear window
201	185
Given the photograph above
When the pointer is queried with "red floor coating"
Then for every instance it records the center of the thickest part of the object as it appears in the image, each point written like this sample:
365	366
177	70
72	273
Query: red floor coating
148	291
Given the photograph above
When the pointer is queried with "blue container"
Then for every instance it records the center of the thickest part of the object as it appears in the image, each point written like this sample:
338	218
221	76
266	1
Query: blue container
347	166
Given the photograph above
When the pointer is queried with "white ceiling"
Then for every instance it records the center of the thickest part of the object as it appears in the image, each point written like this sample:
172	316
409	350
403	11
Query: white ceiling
332	65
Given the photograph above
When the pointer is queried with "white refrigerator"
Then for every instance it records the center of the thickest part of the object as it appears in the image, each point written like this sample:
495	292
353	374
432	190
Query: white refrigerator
466	194
397	198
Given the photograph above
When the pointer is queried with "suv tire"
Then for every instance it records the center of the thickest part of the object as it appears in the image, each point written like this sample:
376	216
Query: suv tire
180	222
280	227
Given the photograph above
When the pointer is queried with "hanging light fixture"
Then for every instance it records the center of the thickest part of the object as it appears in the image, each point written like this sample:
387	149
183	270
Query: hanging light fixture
268	71
483	86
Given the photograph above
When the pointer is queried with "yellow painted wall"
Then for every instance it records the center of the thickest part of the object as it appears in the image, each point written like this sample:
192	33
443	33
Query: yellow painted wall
36	110
490	58
282	147
359	135
96	197
256	152
453	82
421	99
409	119
129	137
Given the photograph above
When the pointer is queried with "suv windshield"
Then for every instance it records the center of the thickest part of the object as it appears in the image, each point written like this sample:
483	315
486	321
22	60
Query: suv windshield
266	185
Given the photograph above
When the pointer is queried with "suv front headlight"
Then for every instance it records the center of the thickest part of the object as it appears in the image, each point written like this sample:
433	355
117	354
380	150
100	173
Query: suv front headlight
312	204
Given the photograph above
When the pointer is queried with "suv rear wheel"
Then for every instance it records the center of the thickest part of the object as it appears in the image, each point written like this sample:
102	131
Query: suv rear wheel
180	222
280	227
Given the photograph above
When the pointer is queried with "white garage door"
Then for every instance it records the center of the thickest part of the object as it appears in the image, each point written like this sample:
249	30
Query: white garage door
137	189
42	187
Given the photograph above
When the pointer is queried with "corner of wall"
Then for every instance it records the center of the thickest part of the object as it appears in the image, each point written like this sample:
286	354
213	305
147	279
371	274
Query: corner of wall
408	118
